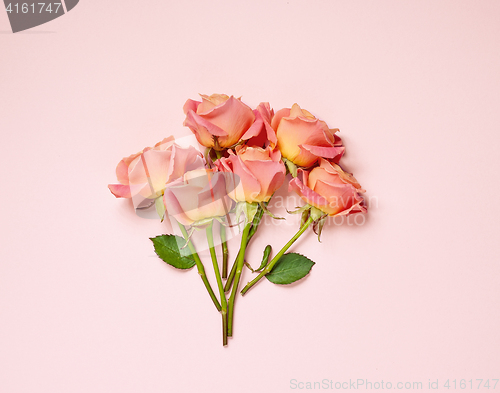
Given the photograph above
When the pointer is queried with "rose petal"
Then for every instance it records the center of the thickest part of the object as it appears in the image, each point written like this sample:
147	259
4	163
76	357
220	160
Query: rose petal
174	208
165	144
261	133
340	197
199	128
157	165
294	132
137	172
308	195
332	152
270	175
184	160
122	168
209	102
190	105
120	190
233	116
247	185
335	169
285	112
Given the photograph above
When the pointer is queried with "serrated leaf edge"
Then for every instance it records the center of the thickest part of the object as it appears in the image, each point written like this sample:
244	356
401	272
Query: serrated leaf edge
170	248
313	263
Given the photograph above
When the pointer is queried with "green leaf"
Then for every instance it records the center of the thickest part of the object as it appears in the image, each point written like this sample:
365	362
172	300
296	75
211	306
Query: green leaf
290	268
265	258
169	249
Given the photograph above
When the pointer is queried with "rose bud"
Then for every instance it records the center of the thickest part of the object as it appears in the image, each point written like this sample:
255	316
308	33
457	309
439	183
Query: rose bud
218	121
302	138
257	173
147	172
197	197
329	189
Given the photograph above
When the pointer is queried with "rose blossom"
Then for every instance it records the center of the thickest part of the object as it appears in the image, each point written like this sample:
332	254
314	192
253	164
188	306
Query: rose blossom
147	172
218	116
329	189
258	173
302	138
200	194
261	133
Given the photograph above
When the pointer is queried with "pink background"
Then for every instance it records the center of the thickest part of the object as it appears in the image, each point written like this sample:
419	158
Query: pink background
411	295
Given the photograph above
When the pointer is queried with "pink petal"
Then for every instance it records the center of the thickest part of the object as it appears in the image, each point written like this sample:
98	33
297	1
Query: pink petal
308	195
336	139
233	116
157	166
246	187
191	105
256	128
165	144
120	190
341	197
337	170
261	133
269	174
137	173
200	121
285	112
174	208
332	152
294	132
122	172
210	102
184	160
199	128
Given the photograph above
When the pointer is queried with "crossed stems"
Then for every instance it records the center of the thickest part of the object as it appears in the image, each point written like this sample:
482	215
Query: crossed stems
227	314
227	308
255	224
276	258
210	239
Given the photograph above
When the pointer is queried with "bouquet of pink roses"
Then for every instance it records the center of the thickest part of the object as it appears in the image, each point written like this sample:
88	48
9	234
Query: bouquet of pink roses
248	155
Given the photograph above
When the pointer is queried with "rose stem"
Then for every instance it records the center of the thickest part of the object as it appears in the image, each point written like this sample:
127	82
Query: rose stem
269	267
256	221
210	239
237	276
225	252
201	268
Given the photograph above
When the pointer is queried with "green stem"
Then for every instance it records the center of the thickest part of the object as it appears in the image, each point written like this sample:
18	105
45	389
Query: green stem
230	279
255	224
210	239
237	276
225	252
201	268
269	267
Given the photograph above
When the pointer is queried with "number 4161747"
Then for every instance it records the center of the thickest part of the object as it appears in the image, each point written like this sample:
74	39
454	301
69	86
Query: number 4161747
33	8
463	384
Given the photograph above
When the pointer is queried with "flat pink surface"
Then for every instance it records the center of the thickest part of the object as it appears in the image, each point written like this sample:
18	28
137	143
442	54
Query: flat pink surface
412	295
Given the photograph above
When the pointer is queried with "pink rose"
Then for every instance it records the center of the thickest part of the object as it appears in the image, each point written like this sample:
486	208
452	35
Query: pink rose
261	133
218	121
197	196
258	173
147	172
329	189
302	138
